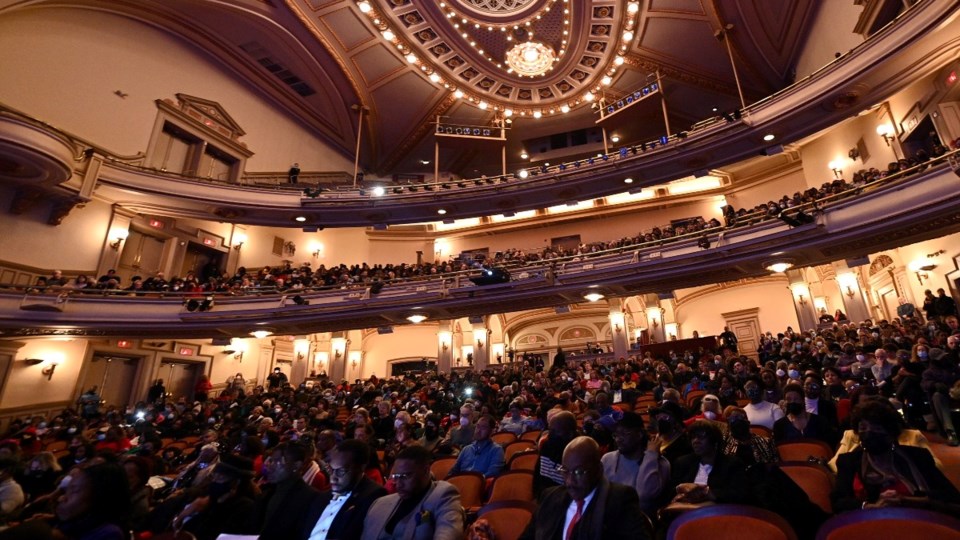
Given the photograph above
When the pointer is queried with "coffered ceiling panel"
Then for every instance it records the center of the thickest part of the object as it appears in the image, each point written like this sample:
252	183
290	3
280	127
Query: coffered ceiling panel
697	49
349	29
677	6
375	63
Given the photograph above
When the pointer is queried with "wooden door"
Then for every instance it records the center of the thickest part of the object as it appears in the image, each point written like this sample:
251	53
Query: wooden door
142	256
745	324
114	377
179	378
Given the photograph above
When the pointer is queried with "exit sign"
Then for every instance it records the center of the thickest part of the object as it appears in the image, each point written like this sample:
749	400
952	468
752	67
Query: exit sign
951	78
185	351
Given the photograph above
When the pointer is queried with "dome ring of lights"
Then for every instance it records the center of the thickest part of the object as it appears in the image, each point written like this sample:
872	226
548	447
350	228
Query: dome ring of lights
531	58
492	10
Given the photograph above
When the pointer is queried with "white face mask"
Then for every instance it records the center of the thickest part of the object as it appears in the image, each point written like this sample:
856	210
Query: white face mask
464	421
710	415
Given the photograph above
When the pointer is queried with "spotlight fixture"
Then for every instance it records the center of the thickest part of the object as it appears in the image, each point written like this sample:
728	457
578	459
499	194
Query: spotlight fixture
260	334
377	191
313	193
417	318
300	219
593	297
398	190
769	137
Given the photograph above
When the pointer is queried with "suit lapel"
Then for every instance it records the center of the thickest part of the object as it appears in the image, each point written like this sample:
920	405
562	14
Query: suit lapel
410	522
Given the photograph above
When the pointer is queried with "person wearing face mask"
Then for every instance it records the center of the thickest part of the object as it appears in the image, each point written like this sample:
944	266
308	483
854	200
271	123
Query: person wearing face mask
759	411
461	434
709	410
79	451
431	438
227	504
482	455
798	423
882	473
751	448
668	419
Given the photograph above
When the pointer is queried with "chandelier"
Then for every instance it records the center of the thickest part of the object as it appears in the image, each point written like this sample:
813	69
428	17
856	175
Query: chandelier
531	58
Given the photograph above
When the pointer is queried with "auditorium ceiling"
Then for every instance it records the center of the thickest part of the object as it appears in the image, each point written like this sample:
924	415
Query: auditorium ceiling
540	66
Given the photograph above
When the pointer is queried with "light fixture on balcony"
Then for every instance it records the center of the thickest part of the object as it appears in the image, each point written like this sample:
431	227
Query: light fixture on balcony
922	269
119	235
260	334
885	131
238	240
837	167
779	267
417	318
51	367
593	296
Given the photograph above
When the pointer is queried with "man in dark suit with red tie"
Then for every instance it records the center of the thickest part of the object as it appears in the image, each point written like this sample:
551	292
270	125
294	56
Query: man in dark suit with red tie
587	506
339	513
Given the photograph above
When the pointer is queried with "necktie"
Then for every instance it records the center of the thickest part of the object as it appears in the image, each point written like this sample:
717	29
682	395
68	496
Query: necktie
574	521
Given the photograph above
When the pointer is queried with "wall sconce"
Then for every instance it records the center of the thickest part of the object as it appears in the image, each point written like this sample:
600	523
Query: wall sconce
849	291
354	359
301	347
445	338
498	349
617	321
885	131
320	359
316	249
921	268
848	283
837	167
801	300
339	347
672	330
238	240
653	315
119	235
51	367
820	303
480	335
237	354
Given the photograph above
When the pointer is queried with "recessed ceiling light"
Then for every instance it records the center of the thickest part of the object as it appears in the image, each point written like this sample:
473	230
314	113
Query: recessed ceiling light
628	180
779	267
260	334
593	297
769	137
388	35
424	161
364	7
441	211
412	58
524	155
417	318
434	78
615	138
301	219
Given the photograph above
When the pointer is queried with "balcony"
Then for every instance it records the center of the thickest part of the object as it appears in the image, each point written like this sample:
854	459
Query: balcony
919	204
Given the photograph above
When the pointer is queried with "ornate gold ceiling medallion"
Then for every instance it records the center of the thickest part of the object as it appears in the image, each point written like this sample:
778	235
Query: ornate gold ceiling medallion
531	59
496	6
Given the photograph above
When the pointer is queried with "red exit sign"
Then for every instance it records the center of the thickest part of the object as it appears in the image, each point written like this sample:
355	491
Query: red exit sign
125	344
186	351
208	242
157	224
951	78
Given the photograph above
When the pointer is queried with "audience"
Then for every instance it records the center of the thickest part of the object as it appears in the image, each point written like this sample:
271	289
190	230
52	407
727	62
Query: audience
313	451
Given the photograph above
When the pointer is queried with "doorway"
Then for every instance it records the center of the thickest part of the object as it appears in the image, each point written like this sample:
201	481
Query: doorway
205	262
745	324
180	378
142	256
923	137
114	376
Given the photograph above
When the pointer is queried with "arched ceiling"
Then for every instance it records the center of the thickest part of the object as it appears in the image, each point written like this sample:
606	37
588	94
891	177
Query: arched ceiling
349	52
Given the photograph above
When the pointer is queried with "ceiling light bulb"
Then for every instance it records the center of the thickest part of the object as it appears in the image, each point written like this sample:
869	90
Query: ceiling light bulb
615	138
508	112
434	78
628	36
593	297
530	54
588	96
524	155
482	105
260	334
523	173
606	81
388	35
300	219
412	58
441	211
780	267
458	94
618	60
417	318
565	109
633	7
364	7
537	114
628	180
769	137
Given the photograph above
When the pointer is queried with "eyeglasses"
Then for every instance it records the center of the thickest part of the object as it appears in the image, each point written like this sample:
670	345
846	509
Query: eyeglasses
400	476
576	473
339	472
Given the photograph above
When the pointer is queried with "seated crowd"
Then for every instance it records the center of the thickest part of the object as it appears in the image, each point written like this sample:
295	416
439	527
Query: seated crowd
616	450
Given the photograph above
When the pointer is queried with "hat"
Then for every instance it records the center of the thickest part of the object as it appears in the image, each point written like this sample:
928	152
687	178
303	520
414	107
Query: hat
631	420
235	466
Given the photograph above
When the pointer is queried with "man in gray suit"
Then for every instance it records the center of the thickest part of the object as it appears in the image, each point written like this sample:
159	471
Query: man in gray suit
421	509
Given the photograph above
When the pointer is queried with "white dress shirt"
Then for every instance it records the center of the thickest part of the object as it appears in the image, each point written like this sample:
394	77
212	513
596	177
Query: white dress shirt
326	518
572	511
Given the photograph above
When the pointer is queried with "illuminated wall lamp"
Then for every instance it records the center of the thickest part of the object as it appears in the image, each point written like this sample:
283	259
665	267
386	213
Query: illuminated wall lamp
922	271
801	300
849	291
885	131
238	240
837	167
237	354
119	236
48	371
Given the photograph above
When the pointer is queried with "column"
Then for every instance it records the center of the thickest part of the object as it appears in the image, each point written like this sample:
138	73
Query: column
444	348
618	330
802	300
481	347
852	294
654	314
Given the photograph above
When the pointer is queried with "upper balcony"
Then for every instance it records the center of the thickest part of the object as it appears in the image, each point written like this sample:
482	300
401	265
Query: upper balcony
920	41
920	204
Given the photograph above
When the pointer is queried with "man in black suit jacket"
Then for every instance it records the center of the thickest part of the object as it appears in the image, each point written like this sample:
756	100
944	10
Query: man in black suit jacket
338	514
586	506
285	495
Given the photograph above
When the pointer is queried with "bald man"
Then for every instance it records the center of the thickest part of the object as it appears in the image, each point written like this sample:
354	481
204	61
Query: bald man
586	506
